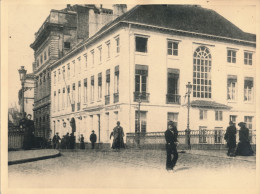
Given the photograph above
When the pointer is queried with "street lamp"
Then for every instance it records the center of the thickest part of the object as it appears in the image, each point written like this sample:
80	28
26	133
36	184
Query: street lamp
22	73
188	89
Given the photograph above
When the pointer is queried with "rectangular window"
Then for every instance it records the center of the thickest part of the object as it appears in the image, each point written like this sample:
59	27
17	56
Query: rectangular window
141	44
66	45
116	80
68	71
108	82
63	95
203	114
232	87
92	89
73	68
172	47
218	115
173	117
173	87
79	91
73	94
99	86
45	56
233	118
54	102
85	90
59	100
54	75
140	121
117	39
68	96
231	56
41	59
63	72
249	122
93	57
58	74
79	65
248	89
108	49
100	54
86	61
248	58
141	76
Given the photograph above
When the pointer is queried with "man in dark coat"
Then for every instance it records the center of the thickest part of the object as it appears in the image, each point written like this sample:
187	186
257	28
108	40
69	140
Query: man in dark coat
93	139
244	148
171	135
230	137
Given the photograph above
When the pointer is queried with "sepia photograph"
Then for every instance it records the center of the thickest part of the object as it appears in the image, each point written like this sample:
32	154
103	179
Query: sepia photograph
129	97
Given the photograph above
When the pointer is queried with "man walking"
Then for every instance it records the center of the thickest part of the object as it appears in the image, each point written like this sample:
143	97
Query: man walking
93	139
118	134
171	135
230	137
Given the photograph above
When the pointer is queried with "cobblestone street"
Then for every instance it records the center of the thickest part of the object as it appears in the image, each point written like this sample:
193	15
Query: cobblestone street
132	168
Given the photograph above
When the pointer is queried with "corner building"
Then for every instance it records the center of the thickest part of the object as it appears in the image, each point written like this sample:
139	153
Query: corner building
60	32
148	55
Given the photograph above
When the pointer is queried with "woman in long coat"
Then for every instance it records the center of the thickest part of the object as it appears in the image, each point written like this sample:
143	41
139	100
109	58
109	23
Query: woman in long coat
244	148
230	137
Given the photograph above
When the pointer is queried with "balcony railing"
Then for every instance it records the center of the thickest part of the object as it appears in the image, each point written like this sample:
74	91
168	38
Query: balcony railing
72	107
107	99
78	106
173	99
141	96
116	97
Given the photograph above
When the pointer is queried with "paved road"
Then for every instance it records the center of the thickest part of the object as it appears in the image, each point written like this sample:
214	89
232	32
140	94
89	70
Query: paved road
133	169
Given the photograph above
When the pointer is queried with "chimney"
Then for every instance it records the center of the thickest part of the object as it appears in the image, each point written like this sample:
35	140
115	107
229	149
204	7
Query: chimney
119	9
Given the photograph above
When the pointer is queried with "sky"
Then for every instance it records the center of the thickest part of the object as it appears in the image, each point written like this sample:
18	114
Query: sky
25	19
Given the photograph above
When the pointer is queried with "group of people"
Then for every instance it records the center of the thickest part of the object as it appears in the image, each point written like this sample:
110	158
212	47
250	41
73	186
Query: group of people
68	141
243	148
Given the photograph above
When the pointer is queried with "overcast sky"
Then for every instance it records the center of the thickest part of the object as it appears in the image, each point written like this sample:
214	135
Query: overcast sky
25	20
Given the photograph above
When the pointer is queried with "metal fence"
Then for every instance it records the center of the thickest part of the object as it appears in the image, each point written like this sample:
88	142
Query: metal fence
197	137
15	137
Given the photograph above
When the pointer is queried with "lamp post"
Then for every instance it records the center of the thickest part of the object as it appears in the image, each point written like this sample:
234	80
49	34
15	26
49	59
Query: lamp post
22	73
189	88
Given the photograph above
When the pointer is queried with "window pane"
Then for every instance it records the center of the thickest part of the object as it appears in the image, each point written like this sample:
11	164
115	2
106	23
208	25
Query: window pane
141	44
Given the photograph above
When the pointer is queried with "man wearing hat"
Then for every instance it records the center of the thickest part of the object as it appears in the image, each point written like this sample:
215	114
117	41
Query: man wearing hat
93	139
230	137
171	135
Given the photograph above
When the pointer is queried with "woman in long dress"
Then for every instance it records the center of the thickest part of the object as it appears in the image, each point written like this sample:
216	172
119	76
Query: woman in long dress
244	148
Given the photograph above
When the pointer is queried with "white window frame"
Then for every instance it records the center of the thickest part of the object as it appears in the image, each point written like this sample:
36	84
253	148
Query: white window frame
204	114
172	42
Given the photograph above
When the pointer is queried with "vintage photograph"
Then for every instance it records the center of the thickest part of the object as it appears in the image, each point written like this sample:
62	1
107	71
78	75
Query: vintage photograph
131	96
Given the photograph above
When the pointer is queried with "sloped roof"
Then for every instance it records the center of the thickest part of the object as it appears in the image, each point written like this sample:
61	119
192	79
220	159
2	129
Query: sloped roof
208	104
190	18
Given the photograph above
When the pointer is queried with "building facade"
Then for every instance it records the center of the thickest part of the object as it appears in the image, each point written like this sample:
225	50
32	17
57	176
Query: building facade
61	31
145	59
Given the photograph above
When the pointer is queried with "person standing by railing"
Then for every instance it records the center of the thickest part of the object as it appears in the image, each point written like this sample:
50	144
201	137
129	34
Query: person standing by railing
230	137
171	135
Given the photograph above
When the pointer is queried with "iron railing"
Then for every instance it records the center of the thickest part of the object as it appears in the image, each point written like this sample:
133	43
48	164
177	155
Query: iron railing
173	99
141	96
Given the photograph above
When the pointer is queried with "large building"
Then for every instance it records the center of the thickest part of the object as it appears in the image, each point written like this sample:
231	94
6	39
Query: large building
61	31
147	56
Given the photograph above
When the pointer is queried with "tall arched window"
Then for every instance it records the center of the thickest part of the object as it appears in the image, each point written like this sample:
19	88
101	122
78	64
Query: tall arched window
202	73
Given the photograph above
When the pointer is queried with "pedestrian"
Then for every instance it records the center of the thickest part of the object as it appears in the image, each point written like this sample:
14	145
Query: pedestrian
171	135
54	141
118	134
230	137
244	148
67	141
72	140
82	143
58	141
93	139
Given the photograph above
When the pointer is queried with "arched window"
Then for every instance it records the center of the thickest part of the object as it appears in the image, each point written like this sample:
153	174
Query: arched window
202	73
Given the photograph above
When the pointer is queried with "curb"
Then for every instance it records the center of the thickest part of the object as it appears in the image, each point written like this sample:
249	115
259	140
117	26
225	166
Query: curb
33	159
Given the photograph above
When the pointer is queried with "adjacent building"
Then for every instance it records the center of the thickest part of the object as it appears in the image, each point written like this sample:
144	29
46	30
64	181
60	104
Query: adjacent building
147	56
61	31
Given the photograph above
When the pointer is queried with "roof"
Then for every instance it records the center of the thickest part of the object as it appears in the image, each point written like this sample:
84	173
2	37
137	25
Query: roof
208	104
190	18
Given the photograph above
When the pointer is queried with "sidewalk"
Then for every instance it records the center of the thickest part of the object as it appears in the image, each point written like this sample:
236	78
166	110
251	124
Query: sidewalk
220	154
18	157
